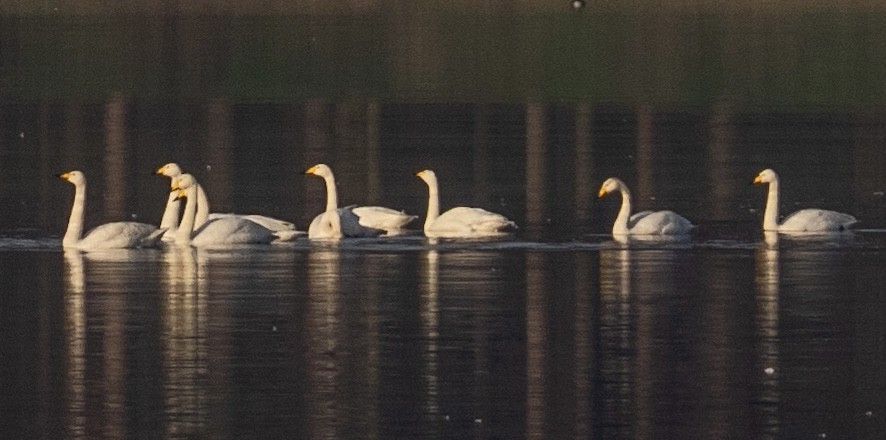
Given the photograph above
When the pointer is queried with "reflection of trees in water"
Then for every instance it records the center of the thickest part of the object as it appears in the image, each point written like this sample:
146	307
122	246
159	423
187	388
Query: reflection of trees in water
664	332
376	148
559	343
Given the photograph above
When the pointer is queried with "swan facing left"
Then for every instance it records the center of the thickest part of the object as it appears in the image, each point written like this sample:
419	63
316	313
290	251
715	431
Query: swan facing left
115	235
352	221
645	222
802	221
170	213
222	231
461	221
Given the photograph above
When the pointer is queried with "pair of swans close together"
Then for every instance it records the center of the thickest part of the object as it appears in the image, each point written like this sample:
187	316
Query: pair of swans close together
669	223
371	221
199	227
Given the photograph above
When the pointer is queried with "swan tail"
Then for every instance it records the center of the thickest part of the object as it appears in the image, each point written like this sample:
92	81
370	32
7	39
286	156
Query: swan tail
287	236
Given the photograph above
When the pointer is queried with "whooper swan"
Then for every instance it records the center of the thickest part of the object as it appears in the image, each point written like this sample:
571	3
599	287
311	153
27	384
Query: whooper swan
463	222
354	221
170	214
645	222
226	230
116	235
805	220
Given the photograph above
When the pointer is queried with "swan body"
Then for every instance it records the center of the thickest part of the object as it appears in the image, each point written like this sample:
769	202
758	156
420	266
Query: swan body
170	213
352	221
115	235
644	222
805	220
339	223
226	230
460	221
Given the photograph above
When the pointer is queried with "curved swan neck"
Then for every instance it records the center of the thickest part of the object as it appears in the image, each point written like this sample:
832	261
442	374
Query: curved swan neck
620	227
183	234
170	214
202	215
331	193
75	222
770	215
433	202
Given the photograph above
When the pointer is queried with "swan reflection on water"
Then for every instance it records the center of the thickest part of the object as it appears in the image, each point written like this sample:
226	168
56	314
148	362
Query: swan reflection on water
767	281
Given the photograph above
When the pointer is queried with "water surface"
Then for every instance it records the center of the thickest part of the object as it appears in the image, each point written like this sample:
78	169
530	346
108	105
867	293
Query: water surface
555	332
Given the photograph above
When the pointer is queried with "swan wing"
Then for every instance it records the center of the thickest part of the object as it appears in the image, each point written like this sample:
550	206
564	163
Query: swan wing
231	231
268	222
465	221
351	226
661	223
817	220
121	235
379	217
638	216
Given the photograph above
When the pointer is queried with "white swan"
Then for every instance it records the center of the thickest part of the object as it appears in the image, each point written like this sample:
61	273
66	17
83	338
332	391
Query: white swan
805	220
170	214
352	221
114	235
645	222
226	230
460	221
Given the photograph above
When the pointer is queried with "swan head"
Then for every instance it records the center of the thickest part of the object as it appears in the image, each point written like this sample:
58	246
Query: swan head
610	185
183	182
320	169
169	170
766	176
75	177
427	175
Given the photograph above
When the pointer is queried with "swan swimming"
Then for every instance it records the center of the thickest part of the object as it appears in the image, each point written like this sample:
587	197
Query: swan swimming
463	222
352	221
645	222
805	220
170	214
225	230
115	235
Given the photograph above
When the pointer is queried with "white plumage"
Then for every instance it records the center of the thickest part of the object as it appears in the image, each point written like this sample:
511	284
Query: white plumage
644	222
352	221
805	220
460	221
116	235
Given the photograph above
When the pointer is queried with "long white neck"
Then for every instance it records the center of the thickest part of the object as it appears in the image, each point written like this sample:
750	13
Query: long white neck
620	227
770	215
433	202
183	234
202	208
170	214
75	223
331	194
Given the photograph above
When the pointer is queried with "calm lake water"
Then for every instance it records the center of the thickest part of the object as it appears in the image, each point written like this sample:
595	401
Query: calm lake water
555	332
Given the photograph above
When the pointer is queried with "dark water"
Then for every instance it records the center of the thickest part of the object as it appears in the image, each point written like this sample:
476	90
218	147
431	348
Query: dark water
556	332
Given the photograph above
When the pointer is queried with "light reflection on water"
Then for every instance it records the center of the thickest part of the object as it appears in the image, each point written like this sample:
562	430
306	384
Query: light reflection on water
432	339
